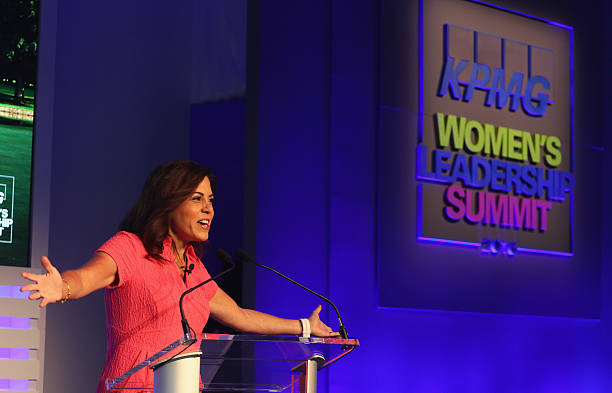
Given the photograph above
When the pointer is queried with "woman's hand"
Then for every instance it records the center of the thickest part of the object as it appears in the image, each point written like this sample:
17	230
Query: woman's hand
318	328
48	286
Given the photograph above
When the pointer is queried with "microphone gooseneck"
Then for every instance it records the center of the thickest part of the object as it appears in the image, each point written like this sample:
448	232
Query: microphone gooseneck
225	257
243	256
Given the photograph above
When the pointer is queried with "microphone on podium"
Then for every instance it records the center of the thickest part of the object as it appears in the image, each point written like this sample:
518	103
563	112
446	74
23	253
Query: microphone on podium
243	256
225	257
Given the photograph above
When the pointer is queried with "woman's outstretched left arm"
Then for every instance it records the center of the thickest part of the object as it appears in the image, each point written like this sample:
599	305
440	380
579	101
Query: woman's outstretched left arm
225	310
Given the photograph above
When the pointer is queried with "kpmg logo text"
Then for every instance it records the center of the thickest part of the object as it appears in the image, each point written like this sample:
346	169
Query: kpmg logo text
522	88
501	162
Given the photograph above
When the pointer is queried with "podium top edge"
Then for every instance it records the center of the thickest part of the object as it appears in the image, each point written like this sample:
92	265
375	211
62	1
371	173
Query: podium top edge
303	340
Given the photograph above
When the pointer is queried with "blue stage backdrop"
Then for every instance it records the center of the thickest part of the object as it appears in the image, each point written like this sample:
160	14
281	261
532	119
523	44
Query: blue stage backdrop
320	217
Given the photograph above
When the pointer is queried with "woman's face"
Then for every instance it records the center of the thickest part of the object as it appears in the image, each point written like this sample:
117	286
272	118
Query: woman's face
191	220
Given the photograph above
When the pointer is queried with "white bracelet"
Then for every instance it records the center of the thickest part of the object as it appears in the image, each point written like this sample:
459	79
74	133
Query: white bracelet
305	327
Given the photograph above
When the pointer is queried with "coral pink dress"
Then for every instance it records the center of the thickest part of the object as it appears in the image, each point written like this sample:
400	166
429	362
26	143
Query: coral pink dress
142	313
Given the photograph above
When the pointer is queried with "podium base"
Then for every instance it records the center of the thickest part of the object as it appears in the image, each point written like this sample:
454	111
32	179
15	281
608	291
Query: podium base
178	374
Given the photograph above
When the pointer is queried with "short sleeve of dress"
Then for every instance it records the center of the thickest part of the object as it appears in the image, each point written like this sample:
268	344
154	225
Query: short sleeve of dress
211	287
124	247
200	274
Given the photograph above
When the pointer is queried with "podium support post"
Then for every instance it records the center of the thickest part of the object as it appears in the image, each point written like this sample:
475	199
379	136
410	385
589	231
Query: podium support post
308	374
178	374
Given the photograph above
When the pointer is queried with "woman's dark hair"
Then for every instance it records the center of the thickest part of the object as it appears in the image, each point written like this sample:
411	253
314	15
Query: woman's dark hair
164	190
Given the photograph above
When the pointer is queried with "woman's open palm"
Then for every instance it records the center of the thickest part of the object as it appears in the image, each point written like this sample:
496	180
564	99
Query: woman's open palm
47	286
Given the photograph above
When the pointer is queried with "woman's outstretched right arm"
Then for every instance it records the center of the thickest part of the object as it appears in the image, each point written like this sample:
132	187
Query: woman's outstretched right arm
52	286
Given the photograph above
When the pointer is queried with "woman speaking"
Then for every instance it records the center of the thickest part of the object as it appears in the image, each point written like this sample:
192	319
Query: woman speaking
144	267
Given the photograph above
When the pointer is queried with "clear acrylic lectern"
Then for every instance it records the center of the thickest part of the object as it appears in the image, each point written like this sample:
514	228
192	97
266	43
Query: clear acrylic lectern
238	363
